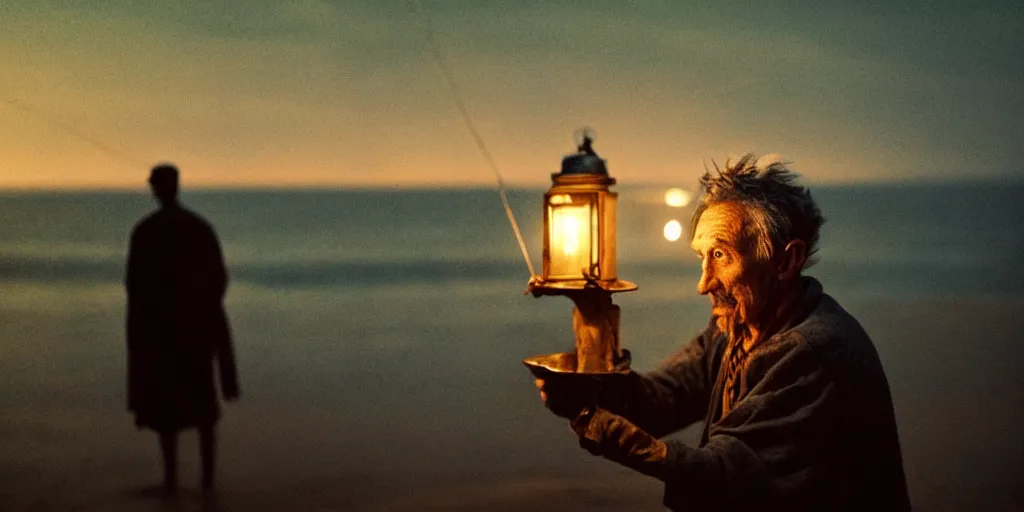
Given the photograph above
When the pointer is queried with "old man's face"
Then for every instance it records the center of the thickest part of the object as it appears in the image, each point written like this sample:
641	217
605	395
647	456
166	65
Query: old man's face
737	283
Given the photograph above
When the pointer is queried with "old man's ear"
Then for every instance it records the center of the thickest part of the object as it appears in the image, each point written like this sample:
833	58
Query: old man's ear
792	259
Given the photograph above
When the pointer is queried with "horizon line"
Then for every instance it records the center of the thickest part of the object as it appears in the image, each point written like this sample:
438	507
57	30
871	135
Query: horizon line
1004	180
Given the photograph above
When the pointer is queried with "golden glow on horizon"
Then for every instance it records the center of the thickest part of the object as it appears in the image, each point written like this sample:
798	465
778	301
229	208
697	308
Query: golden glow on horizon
272	99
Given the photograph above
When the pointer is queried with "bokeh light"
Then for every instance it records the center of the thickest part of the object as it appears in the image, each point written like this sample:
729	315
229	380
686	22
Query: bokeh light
673	230
677	197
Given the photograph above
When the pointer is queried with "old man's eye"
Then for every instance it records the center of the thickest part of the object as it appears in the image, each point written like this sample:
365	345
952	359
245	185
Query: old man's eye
717	253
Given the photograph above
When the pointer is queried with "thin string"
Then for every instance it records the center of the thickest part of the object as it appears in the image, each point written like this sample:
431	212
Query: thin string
97	144
442	63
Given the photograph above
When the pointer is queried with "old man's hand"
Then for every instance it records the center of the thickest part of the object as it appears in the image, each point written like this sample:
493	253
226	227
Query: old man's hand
616	438
564	397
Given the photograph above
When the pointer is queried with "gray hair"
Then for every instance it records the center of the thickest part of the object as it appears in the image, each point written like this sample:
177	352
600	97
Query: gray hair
777	211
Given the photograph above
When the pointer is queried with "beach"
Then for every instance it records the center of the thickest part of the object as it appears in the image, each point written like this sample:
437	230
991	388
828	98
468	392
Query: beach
379	336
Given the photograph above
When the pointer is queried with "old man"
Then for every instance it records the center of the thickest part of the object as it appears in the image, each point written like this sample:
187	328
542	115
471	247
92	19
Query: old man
796	409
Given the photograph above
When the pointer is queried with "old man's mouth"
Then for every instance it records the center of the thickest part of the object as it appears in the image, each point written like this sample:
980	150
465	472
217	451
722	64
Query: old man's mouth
722	301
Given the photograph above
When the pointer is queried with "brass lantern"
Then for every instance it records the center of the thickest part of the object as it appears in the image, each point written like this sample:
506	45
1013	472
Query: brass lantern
579	221
579	262
579	224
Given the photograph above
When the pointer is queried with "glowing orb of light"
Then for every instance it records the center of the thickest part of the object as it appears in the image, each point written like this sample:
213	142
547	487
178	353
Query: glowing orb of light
677	197
673	230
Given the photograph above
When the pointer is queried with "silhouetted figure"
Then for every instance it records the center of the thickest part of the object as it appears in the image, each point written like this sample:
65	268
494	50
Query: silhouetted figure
177	327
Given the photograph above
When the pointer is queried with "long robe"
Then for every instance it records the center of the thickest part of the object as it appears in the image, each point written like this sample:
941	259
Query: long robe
176	323
813	427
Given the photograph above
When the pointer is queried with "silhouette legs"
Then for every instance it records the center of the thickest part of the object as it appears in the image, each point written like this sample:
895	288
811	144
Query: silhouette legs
207	455
169	449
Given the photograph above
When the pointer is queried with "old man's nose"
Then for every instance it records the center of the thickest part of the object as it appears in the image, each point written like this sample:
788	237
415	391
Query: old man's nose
706	283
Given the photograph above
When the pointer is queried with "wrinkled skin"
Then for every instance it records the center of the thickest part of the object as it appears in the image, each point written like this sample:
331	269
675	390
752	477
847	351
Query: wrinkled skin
738	285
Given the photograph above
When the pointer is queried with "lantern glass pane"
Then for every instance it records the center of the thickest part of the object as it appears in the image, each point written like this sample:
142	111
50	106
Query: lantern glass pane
570	242
607	257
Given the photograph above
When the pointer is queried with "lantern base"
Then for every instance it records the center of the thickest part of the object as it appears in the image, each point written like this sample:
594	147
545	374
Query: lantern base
538	287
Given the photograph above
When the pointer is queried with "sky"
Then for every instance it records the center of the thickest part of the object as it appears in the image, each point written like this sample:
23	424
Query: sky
261	93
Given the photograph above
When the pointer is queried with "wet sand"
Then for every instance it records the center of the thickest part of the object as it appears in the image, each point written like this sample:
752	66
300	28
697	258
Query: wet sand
403	438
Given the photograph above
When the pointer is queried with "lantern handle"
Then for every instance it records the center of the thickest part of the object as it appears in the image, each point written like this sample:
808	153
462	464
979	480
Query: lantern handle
585	137
587	146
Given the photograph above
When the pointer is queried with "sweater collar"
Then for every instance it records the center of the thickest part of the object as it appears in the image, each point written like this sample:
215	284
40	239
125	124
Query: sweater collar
809	300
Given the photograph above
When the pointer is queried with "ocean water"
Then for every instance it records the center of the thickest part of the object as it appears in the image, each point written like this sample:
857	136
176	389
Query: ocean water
379	335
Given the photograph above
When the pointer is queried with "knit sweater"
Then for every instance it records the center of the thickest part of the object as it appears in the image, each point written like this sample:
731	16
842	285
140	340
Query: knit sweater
812	427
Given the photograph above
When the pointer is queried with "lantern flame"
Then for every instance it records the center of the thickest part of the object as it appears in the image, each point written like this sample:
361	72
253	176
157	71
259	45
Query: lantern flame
570	231
570	239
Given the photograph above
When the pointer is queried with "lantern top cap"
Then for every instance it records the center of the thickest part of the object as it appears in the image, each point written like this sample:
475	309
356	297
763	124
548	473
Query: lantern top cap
585	160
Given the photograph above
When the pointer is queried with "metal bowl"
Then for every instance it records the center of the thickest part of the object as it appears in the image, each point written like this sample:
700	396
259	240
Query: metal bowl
563	366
